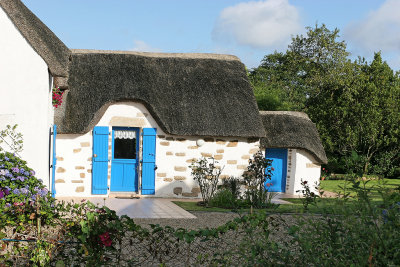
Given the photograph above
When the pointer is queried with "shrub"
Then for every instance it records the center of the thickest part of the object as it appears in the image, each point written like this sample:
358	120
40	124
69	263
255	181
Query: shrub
206	174
21	192
12	138
233	184
224	198
258	172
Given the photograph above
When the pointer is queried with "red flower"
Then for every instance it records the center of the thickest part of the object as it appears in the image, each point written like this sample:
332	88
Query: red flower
105	239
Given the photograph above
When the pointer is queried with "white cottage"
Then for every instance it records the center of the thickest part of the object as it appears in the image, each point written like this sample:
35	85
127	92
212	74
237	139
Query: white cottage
131	123
31	59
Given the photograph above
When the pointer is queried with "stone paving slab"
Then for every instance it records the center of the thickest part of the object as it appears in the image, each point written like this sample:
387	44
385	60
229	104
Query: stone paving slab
139	208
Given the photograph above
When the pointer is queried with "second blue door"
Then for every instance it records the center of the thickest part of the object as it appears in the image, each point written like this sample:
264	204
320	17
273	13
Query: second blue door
279	169
124	161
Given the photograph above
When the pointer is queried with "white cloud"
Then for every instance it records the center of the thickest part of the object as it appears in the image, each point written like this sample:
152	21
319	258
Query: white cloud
261	24
141	46
380	30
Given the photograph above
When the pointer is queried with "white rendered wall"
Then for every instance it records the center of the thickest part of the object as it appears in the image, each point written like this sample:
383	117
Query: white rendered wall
25	95
173	155
306	169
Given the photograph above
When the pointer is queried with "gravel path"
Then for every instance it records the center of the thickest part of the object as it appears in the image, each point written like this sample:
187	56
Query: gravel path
210	220
204	219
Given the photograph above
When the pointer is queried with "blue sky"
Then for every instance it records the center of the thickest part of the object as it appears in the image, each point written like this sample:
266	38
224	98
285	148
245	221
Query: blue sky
247	29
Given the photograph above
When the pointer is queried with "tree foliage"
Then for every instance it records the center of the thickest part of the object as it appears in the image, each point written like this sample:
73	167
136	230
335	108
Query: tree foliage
355	104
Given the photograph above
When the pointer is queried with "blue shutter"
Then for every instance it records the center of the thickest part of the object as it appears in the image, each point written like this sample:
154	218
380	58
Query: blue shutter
100	160
149	161
53	174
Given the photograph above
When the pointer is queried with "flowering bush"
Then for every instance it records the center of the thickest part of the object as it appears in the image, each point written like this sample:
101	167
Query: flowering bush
21	192
206	174
256	177
57	96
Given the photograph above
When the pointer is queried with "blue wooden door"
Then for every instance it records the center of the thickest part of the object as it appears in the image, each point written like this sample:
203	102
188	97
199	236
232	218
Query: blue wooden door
100	160
54	166
279	167
124	162
149	161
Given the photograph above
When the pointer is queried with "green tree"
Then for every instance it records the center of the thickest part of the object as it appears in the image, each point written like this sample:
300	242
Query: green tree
286	81
355	105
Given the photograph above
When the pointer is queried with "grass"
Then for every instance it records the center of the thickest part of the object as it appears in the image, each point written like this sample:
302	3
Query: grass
296	206
327	205
344	186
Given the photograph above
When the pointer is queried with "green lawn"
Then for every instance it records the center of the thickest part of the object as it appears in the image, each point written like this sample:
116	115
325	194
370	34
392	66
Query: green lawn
296	206
329	205
343	186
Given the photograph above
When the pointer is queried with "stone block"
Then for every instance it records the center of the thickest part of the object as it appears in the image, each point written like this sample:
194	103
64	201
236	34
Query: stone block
241	167
246	157
218	157
161	136
181	139
196	190
177	190
253	151
190	160
232	143
80	189
60	158
206	155
179	178
82	175
89	170
161	174
169	153
168	180
127	122
193	147
85	144
312	165
169	138
77	150
221	142
189	194
77	181
180	168
60	181
164	143
180	154
79	168
231	162
60	170
208	139
220	151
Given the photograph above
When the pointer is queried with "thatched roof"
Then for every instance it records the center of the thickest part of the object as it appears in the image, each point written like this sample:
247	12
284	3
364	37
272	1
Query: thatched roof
187	94
42	39
285	129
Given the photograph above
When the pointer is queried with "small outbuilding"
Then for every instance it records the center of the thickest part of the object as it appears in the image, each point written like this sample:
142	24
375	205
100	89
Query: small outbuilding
293	143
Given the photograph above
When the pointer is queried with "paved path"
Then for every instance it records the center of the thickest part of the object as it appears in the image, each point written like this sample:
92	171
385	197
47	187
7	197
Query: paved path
140	208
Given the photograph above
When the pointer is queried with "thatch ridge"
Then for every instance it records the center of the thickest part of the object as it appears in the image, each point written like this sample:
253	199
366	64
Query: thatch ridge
159	55
187	95
288	129
39	36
